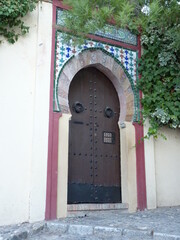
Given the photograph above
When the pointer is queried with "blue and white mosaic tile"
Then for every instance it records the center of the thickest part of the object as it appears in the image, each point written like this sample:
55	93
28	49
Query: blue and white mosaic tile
64	52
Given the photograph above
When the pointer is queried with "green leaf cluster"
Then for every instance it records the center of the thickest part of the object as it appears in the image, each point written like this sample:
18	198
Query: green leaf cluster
158	23
160	69
11	14
91	15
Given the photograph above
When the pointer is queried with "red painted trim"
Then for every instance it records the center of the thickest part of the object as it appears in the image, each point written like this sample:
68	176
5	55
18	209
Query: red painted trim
51	195
113	42
140	158
54	167
140	168
59	3
51	192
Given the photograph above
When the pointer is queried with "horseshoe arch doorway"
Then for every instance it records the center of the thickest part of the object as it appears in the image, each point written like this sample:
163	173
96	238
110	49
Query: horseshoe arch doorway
94	174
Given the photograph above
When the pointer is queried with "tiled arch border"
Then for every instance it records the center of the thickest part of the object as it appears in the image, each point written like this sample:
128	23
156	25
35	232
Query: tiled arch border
52	164
120	74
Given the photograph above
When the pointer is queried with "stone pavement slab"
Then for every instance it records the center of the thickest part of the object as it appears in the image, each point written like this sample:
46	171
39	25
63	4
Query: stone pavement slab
158	224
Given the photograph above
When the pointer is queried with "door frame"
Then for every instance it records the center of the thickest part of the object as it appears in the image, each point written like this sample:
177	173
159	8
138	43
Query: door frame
127	135
131	135
128	166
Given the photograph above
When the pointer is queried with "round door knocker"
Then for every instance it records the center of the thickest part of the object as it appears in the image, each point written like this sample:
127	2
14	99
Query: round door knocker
108	112
78	107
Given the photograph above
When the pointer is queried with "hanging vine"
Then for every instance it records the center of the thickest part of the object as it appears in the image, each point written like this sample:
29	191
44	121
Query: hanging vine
160	81
11	18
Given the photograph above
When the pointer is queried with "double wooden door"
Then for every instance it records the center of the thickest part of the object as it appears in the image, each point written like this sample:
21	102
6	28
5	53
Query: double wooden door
94	141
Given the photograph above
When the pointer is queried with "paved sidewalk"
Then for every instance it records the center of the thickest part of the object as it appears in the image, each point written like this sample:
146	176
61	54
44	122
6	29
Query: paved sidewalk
159	224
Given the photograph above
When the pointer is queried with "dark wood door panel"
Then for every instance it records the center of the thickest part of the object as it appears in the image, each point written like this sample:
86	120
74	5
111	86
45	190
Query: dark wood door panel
94	143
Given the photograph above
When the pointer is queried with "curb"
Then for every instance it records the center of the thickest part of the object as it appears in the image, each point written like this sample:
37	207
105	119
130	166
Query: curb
164	236
84	230
102	230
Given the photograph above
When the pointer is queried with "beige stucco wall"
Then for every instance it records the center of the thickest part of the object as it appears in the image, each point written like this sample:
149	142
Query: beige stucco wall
167	156
163	169
150	170
24	104
128	166
63	165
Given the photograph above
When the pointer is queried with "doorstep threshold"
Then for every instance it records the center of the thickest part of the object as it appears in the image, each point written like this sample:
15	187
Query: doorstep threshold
97	206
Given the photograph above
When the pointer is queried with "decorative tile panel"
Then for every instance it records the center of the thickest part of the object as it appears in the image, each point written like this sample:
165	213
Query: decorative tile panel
118	34
64	52
109	31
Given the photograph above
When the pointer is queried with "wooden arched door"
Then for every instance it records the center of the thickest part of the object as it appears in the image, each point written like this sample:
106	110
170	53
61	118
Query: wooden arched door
94	141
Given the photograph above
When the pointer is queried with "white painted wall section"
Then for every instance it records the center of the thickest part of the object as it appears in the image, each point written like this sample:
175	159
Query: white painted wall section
128	166
17	80
24	104
167	155
162	164
150	170
63	165
131	163
41	113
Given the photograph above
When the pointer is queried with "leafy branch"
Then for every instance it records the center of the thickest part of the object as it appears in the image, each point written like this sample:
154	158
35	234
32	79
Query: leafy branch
158	23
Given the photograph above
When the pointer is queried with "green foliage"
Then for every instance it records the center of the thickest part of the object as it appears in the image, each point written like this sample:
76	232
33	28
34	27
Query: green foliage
91	15
159	26
11	14
160	69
